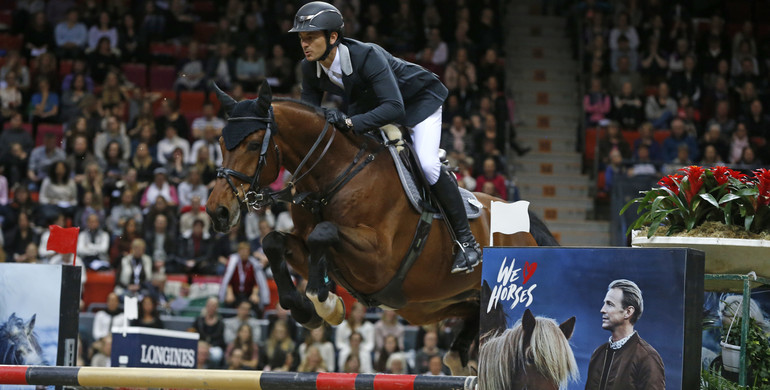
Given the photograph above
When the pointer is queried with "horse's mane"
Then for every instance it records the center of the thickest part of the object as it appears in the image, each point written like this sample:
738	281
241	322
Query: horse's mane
504	357
311	107
8	348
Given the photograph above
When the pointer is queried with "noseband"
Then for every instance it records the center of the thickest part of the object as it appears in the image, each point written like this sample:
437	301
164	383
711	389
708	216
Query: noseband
255	197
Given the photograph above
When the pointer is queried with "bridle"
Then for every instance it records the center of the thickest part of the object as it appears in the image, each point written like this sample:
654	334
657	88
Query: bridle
254	197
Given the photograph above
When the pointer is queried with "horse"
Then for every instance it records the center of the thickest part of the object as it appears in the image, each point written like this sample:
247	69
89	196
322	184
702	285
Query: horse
18	342
534	354
351	219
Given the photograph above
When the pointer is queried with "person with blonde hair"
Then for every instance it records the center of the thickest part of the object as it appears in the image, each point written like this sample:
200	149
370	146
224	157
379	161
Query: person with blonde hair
313	361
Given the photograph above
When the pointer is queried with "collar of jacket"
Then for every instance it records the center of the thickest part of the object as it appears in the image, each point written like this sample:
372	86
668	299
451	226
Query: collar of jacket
345	64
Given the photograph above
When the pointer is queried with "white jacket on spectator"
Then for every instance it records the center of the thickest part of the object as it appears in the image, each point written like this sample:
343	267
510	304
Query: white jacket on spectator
98	245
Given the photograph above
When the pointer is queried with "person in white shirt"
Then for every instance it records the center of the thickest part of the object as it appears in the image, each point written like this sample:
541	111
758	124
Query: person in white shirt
243	316
208	144
209	119
94	244
109	318
171	142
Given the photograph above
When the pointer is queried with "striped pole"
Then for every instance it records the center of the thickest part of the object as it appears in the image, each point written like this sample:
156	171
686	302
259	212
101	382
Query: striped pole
225	379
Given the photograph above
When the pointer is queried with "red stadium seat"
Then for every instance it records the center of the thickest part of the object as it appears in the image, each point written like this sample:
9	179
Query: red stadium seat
65	68
206	9
136	73
45	128
6	19
162	77
592	137
630	136
11	42
203	31
661	135
191	101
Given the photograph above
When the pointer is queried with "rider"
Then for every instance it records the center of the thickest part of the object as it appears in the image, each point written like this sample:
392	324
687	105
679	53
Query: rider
375	86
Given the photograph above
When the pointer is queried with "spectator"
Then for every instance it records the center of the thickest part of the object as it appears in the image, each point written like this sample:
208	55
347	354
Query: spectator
647	139
622	50
129	231
623	29
195	253
746	73
131	41
208	120
244	342
396	364
212	330
738	142
15	64
15	134
627	108
153	22
713	55
113	94
191	74
352	364
43	106
103	352
102	60
159	187
170	116
596	103
385	352
134	272
71	36
317	340
206	167
38	37
745	35
91	204
643	164
21	203
250	34
15	164
208	144
195	211
623	75
439	48
243	316
429	349
244	280
169	144
279	71
388	325
355	348
460	65
71	106
313	361
220	67
749	159
176	167
94	244
235	360
161	243
109	318
43	156
434	366
713	137
679	136
10	97
250	68
148	313
710	157
126	210
613	139
676	58
660	108
687	82
722	118
457	140
615	168
144	164
204	356
18	238
112	134
279	344
757	123
58	193
747	94
103	29
744	62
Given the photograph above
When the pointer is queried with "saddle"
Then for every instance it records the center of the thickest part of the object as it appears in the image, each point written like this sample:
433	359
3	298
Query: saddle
411	174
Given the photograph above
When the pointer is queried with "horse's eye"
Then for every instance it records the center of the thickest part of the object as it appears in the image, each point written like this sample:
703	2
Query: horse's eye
253	146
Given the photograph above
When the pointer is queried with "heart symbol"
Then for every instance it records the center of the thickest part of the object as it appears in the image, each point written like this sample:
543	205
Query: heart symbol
529	270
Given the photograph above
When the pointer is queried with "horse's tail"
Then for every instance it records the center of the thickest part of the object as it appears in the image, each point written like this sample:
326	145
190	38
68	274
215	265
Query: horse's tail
540	231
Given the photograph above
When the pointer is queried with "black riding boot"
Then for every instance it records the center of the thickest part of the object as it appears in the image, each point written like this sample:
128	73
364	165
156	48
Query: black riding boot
447	193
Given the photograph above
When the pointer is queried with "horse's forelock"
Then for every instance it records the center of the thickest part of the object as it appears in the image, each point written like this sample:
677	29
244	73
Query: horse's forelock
551	353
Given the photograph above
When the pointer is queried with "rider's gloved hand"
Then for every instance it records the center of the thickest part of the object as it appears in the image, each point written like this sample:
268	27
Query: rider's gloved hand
338	119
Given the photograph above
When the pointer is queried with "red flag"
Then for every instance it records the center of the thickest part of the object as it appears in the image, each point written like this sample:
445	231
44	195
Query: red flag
63	240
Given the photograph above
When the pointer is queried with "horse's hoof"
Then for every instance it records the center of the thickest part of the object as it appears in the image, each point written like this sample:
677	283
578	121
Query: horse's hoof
339	313
315	322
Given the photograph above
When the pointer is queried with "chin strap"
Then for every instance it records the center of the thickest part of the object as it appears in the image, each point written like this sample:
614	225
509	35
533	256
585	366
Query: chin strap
330	46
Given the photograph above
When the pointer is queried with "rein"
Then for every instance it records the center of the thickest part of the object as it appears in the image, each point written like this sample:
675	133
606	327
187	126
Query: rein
258	198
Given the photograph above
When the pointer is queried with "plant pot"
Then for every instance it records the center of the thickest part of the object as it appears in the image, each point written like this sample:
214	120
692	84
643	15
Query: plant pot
731	357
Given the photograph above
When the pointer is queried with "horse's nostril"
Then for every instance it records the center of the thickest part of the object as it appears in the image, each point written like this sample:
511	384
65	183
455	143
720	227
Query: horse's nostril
222	213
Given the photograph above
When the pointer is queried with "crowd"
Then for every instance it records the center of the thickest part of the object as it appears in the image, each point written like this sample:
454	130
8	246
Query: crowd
83	145
684	88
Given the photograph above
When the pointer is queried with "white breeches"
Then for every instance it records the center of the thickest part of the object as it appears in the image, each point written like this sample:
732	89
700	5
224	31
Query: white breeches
426	136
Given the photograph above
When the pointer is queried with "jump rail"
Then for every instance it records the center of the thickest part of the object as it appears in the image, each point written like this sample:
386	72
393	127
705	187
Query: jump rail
224	379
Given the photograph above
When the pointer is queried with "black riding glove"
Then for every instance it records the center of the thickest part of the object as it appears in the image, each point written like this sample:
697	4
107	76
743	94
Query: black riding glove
338	119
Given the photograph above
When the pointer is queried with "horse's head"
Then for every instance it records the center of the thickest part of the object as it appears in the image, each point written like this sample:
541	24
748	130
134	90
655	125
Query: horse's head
18	344
534	354
248	162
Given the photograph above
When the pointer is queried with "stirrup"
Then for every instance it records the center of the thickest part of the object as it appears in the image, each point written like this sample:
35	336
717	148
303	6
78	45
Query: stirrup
468	267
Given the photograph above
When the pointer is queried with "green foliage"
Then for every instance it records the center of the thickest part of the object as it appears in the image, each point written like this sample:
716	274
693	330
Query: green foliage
758	350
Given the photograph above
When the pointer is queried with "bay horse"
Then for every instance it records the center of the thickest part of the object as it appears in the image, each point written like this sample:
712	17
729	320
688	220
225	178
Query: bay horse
534	354
351	217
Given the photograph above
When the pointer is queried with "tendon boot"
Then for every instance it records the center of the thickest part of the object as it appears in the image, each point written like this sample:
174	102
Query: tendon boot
469	253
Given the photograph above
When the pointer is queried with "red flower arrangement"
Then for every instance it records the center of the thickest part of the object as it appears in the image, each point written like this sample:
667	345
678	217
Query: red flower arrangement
697	195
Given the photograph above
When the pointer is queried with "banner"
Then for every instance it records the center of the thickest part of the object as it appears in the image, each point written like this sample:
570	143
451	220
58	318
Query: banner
158	348
654	310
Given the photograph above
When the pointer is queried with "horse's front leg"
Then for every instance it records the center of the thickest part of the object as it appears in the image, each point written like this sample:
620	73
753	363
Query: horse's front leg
328	305
277	246
458	357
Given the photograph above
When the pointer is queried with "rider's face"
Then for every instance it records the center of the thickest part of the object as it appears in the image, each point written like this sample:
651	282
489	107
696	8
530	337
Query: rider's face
313	44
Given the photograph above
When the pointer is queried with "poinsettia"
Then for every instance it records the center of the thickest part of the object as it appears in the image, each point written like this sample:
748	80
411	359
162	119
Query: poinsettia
684	201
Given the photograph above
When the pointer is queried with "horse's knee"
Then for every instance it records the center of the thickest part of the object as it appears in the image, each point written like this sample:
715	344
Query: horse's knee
273	245
325	234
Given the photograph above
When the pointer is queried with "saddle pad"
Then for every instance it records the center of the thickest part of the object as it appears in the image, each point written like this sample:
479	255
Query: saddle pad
472	205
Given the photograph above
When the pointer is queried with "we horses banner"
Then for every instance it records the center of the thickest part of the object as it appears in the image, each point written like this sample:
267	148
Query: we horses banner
591	318
38	315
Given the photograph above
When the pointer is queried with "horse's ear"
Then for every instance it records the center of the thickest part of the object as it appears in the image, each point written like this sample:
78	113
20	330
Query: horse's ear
265	98
227	101
528	321
31	323
568	327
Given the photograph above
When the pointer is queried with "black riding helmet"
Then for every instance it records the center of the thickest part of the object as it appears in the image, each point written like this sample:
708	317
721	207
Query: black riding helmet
320	16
